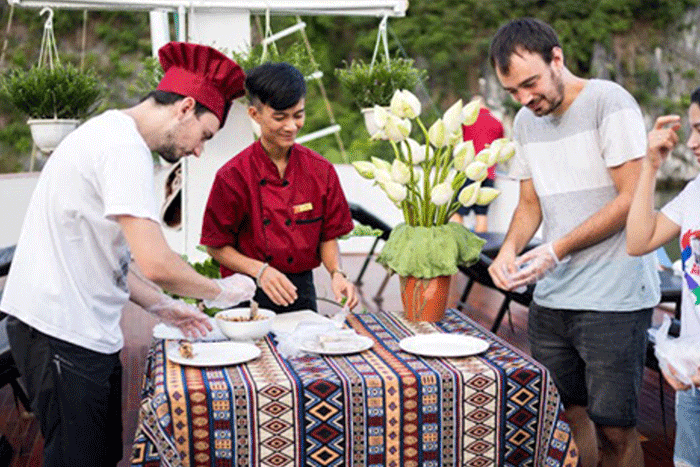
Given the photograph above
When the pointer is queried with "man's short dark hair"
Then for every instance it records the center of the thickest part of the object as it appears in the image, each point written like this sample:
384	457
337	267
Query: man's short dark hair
528	34
167	98
278	85
695	97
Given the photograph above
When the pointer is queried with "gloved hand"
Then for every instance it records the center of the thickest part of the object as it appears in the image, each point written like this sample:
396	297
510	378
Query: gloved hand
534	264
187	317
235	289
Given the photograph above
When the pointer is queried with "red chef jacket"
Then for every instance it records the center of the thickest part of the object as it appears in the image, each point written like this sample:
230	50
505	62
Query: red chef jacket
279	220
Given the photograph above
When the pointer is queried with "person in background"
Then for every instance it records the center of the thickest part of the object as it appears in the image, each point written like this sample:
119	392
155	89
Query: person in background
580	144
647	230
276	210
483	131
91	241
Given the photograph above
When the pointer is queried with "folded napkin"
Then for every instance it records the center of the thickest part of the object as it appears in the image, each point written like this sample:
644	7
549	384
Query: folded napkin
291	344
165	331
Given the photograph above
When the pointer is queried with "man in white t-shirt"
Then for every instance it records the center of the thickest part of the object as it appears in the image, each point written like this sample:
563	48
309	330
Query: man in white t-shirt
91	241
648	230
579	148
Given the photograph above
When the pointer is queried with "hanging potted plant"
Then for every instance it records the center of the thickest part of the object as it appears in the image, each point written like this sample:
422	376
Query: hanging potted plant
54	96
55	99
374	84
424	182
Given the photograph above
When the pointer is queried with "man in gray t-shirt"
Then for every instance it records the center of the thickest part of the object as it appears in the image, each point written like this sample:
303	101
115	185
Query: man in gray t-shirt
580	144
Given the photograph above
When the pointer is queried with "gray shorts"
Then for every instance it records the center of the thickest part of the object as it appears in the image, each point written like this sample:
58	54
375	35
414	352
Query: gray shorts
596	358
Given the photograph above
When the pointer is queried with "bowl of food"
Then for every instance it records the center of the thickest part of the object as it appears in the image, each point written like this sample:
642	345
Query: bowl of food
237	323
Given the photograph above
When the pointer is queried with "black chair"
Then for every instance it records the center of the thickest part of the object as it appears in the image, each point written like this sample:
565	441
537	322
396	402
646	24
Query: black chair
362	216
479	273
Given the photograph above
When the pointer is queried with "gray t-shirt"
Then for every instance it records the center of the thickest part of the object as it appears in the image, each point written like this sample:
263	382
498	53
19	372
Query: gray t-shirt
568	159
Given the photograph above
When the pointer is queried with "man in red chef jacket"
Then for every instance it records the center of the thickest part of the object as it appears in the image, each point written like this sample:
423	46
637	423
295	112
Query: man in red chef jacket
276	209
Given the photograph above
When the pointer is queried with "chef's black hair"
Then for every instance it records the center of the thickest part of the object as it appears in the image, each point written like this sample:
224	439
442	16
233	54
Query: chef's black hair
278	85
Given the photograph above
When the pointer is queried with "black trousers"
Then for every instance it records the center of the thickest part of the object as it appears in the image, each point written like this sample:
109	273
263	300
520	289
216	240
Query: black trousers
75	394
306	295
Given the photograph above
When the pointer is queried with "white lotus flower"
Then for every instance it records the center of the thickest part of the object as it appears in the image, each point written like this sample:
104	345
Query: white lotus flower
400	173
381	164
395	191
487	156
397	129
441	193
437	134
382	175
364	168
380	116
486	195
404	104
497	144
454	138
469	194
453	118
417	154
463	154
477	171
507	151
470	112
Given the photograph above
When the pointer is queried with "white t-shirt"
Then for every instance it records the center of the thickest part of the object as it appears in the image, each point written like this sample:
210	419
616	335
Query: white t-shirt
568	159
684	210
68	274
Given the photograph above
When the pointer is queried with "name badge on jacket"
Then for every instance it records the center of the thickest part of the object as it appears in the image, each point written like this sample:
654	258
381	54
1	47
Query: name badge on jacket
303	208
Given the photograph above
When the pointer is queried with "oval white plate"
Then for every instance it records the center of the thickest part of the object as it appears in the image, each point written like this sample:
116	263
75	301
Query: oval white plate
441	344
363	343
214	353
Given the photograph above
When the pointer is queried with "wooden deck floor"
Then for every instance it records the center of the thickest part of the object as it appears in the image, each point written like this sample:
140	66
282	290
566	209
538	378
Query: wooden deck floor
22	429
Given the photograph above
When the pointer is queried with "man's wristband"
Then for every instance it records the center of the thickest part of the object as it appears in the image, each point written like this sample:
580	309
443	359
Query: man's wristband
260	273
339	271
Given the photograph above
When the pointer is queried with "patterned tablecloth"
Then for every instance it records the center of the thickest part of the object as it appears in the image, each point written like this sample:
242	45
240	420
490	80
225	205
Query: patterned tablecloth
379	407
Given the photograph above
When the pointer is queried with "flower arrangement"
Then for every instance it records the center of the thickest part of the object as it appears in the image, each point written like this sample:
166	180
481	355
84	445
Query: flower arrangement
425	180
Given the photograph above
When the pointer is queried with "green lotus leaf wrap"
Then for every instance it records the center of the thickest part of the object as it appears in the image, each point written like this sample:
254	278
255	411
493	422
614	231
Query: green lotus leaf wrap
428	252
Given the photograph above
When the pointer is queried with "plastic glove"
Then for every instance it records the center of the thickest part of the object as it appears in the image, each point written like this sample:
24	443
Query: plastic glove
235	289
534	264
187	317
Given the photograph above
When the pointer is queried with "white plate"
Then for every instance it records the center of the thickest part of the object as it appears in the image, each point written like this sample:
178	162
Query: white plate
441	344
363	343
287	322
214	353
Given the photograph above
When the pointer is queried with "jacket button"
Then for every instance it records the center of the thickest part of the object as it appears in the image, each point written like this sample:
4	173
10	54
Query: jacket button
285	182
290	260
266	221
288	222
263	182
268	258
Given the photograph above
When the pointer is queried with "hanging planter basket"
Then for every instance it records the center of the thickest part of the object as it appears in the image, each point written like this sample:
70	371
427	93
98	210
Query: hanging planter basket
47	133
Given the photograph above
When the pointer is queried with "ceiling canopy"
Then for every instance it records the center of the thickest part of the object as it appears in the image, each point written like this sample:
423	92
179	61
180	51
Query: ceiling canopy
291	7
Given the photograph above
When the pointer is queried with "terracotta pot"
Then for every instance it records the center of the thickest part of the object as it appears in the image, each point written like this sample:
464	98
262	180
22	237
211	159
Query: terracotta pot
424	299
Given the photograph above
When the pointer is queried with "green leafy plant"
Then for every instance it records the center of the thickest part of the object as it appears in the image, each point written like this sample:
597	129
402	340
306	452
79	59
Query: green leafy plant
295	54
371	85
62	92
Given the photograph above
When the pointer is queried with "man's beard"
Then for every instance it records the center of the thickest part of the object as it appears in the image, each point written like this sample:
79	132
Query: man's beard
168	150
556	101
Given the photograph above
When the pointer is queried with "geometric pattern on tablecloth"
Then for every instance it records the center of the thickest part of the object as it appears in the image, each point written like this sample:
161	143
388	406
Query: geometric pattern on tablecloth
276	425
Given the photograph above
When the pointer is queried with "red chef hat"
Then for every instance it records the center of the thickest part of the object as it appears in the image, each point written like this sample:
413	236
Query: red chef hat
203	73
